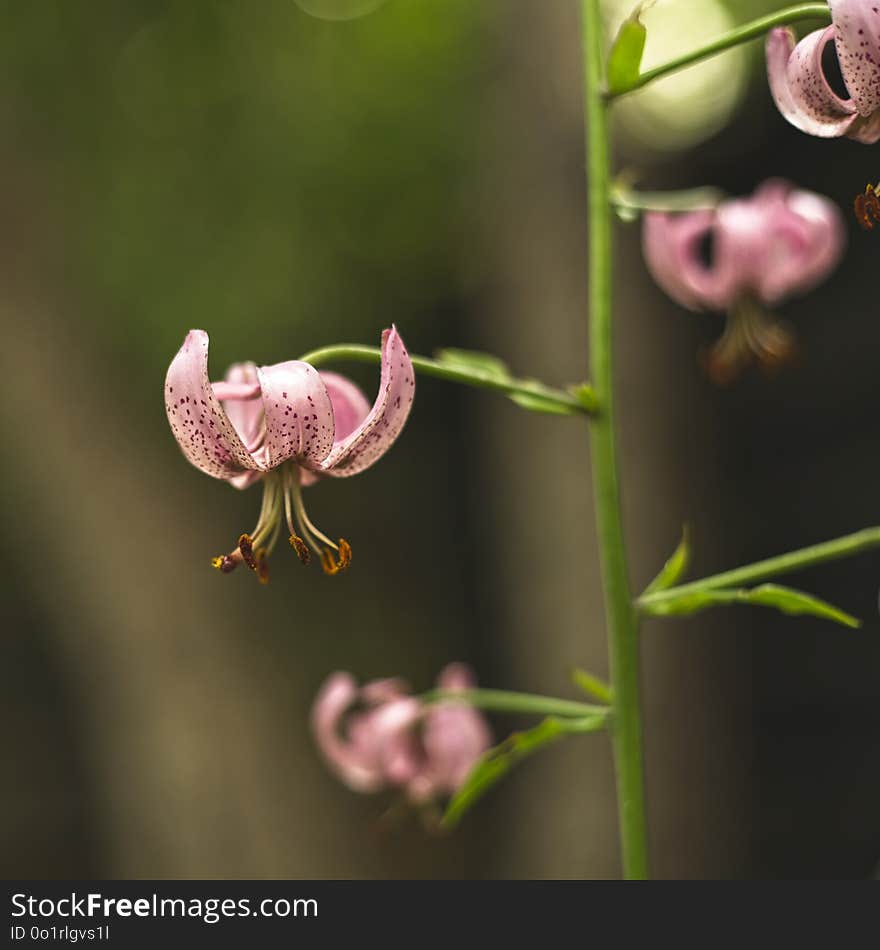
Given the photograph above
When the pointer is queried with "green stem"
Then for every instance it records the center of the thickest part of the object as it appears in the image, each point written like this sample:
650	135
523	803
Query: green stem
774	566
355	353
742	34
621	616
499	700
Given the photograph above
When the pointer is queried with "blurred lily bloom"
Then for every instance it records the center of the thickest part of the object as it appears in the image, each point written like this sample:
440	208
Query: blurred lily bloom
379	736
800	86
741	257
285	425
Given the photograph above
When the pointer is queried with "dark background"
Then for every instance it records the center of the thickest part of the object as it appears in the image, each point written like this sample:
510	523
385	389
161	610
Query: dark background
287	182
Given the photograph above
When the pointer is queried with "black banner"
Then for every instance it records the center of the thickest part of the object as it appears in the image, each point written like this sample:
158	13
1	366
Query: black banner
396	913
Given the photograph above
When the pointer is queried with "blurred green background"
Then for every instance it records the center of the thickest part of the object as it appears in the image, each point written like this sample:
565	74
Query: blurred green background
285	182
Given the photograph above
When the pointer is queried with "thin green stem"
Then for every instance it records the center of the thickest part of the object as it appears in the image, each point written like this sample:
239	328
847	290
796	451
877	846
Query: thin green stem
499	700
355	353
621	616
774	566
742	34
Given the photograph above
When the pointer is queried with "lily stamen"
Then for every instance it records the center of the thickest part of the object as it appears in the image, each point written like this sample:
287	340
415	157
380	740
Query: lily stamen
334	557
296	542
225	563
262	568
867	207
750	333
254	549
329	562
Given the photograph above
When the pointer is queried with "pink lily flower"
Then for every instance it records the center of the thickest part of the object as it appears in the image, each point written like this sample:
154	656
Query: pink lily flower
800	86
454	737
378	736
778	242
286	425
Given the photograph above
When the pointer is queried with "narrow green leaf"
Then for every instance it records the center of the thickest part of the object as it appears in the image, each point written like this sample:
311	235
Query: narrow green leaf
497	762
791	601
673	570
786	599
591	685
475	361
625	58
538	402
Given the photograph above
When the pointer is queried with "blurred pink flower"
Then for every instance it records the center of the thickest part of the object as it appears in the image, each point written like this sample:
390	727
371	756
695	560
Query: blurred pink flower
801	88
454	736
379	736
285	425
778	242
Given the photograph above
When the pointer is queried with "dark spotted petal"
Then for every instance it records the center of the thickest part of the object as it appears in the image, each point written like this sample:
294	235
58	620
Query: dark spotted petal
799	87
377	432
857	27
202	429
298	412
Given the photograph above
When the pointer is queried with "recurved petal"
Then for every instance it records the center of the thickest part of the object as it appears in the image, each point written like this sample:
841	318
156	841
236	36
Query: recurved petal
350	405
453	739
299	415
202	429
348	757
799	87
671	245
857	28
456	676
377	432
806	237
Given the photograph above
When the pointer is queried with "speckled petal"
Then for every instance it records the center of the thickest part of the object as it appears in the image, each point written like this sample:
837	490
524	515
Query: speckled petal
202	429
799	87
299	415
376	434
857	28
350	405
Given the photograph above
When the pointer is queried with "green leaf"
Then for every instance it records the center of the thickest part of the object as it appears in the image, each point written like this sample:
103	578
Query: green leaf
475	361
786	599
673	570
795	602
538	402
591	685
497	762
532	395
625	58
